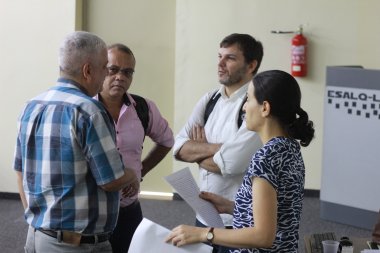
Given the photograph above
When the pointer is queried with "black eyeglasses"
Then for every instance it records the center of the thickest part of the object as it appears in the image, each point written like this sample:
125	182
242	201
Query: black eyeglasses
113	70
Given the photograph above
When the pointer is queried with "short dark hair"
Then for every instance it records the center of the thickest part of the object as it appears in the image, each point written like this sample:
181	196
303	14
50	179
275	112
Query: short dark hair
122	48
252	49
283	93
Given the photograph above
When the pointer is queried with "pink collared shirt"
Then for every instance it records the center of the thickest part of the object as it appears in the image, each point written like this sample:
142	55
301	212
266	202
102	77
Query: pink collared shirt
130	137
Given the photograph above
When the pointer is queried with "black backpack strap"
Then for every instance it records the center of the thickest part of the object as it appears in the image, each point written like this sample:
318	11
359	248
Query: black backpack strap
210	106
241	116
142	110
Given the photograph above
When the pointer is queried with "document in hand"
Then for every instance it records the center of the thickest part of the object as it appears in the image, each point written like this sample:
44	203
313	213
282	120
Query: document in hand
183	182
150	237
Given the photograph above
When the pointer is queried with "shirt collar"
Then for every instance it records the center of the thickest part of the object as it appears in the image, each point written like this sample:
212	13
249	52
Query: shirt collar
238	93
70	82
128	99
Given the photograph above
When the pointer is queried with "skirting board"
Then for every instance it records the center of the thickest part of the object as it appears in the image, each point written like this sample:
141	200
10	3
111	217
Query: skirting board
348	215
9	195
176	196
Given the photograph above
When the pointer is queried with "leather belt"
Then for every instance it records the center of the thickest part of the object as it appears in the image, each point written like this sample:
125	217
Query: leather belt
85	239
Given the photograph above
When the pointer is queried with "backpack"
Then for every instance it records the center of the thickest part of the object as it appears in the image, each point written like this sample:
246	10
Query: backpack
211	104
142	110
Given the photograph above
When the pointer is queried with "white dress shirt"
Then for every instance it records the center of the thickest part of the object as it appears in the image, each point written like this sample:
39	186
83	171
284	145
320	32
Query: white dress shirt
238	145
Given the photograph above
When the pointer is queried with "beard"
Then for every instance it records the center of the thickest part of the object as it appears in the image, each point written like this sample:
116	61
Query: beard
235	77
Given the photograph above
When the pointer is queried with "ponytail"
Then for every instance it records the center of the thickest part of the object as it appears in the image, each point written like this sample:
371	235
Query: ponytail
302	128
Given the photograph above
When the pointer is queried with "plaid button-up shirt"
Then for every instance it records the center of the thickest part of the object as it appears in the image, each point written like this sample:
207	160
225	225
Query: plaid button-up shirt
65	151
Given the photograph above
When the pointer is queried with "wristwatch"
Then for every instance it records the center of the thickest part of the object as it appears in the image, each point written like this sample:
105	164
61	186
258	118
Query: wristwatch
210	235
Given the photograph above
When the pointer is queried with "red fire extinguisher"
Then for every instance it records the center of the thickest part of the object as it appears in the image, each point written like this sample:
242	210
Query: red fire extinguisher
299	56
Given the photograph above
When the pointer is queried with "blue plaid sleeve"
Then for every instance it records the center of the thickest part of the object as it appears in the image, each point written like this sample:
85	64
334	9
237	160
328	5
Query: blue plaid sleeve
98	136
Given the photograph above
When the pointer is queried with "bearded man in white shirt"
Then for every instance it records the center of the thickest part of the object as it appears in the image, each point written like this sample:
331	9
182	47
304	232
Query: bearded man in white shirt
219	143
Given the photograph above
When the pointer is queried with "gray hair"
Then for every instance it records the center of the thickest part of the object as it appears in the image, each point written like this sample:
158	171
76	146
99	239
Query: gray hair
77	49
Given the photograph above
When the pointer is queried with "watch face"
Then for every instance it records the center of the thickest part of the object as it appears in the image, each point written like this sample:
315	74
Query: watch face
210	235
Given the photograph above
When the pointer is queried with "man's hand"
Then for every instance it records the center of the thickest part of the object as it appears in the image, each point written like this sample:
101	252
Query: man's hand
129	191
198	134
198	148
128	179
132	188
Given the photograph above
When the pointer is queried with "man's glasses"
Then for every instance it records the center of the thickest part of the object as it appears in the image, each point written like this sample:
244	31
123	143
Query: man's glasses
113	70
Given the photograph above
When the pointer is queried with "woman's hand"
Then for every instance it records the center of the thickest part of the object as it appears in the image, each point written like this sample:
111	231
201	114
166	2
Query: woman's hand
221	204
185	234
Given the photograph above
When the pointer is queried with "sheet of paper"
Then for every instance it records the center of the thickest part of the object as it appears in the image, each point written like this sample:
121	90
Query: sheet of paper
150	237
183	182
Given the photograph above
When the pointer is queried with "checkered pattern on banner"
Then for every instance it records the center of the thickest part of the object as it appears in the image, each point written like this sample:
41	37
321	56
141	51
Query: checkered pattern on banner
363	103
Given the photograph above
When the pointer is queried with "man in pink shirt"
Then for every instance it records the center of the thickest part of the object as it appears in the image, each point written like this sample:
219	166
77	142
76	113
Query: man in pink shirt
130	134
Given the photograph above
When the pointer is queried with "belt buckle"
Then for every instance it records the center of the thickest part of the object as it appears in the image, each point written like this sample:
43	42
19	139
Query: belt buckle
71	237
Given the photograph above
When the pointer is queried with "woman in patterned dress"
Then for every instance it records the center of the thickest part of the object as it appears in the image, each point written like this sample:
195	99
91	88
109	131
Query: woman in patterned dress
268	205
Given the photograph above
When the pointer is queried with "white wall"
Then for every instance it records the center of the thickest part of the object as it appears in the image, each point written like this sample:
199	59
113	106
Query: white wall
340	32
30	33
148	28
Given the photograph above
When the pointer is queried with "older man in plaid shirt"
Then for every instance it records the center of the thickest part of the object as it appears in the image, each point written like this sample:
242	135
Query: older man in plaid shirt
69	170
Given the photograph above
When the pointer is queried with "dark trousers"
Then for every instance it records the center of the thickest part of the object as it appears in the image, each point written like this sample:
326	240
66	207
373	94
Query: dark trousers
127	223
215	248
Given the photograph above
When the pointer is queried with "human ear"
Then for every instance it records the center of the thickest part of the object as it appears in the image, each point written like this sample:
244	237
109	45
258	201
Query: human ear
252	66
265	109
86	71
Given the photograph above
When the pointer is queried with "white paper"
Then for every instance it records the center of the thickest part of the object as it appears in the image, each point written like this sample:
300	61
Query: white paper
183	182
149	237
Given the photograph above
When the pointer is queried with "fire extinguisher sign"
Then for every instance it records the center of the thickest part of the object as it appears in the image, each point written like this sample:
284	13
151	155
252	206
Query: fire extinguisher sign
299	58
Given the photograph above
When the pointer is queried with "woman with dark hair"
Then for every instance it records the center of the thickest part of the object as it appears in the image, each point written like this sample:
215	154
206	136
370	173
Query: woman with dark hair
268	205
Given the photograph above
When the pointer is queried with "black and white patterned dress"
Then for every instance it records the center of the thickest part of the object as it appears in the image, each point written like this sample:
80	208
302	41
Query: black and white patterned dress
280	162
